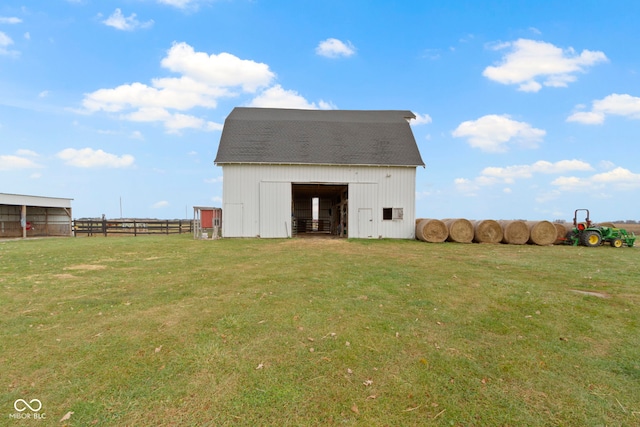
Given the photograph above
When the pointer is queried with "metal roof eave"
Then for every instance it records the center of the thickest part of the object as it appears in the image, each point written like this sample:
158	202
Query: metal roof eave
317	164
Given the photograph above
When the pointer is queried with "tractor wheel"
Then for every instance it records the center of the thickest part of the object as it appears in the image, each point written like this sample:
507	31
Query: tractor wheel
616	243
590	238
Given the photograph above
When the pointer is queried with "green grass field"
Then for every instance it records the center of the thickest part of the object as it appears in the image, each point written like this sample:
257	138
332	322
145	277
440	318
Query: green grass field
166	330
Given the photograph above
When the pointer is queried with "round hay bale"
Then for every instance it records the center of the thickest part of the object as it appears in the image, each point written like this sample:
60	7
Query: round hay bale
460	230
542	233
487	231
432	231
561	233
514	232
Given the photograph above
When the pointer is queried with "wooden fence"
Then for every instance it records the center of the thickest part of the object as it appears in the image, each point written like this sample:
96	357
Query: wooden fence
133	227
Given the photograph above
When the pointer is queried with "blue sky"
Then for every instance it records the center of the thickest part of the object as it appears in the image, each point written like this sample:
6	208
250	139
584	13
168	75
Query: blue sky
526	109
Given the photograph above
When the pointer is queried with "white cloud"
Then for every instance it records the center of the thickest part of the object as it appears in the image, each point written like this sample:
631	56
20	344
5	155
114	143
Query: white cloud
465	185
5	41
510	174
178	122
180	94
180	4
90	158
606	165
10	20
215	180
125	23
334	48
160	204
587	118
19	161
148	114
531	64
619	176
421	119
617	179
616	104
222	70
173	122
326	105
29	153
493	132
204	79
621	105
571	183
277	97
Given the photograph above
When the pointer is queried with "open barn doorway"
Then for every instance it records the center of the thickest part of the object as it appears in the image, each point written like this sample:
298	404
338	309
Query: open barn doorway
319	209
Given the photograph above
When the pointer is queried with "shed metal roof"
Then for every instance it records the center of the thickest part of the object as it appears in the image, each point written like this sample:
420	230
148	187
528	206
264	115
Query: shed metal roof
328	137
39	201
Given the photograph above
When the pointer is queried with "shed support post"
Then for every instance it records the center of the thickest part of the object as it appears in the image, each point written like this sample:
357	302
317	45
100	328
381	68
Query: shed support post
71	227
23	221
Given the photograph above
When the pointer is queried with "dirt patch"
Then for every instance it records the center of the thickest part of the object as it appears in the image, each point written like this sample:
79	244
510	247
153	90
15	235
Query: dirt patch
591	293
90	267
64	276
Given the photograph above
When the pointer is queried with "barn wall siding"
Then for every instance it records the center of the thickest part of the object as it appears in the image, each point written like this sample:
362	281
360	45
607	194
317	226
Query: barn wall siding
275	209
371	188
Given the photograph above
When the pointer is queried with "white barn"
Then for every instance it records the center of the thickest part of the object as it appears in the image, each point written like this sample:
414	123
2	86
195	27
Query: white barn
347	173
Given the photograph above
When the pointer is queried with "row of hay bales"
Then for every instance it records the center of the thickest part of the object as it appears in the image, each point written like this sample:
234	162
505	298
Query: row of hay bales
514	232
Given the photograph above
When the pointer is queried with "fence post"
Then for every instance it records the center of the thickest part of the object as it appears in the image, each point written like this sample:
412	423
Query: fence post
104	226
135	229
167	227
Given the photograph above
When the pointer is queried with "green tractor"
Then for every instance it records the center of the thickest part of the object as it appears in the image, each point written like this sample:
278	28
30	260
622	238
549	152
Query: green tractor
589	234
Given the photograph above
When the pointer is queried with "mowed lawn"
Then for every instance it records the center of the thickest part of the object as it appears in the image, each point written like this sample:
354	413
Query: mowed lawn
167	330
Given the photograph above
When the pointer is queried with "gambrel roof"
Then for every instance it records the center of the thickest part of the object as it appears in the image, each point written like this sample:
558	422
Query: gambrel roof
327	137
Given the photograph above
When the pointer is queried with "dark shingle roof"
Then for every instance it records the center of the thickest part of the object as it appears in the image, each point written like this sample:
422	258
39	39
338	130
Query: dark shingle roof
330	137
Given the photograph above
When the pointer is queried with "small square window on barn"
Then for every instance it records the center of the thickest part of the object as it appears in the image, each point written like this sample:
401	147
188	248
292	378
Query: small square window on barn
389	214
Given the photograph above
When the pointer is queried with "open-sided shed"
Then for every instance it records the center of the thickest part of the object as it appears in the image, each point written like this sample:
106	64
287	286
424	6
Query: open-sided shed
34	216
